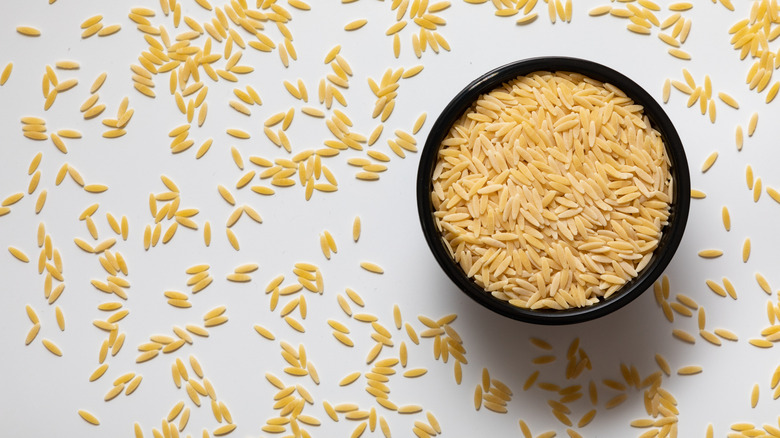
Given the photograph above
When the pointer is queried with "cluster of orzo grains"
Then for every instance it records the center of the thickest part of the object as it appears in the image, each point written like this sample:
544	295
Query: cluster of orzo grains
642	18
552	190
184	60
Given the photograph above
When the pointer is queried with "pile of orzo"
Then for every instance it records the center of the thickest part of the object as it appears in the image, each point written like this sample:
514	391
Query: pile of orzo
552	190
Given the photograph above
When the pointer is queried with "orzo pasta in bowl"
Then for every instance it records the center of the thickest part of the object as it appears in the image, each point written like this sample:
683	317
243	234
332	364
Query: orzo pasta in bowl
553	190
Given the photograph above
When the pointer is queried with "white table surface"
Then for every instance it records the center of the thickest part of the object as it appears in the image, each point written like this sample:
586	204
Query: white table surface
42	393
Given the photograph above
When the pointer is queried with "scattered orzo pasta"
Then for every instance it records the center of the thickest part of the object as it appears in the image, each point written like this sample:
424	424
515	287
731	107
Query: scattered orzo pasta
184	57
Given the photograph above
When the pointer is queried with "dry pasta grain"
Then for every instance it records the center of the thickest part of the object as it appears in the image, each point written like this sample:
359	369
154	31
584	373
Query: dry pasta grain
760	343
698	194
680	54
415	372
752	124
6	73
728	100
754	393
338	326
763	283
772	93
757	190
349	378
616	401
372	267
232	239
343	338
109	30
683	336
667	89
726	218
739	138
52	347
709	337
60	318
295	324
409	409
28	31
98	372
710	253
355	25
32	334
689	370
12	199
19	255
32	315
224	429
600	10
774	194
726	334
709	162
89	417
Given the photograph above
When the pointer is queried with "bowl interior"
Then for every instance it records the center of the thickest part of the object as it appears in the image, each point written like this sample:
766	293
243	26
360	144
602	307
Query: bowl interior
672	233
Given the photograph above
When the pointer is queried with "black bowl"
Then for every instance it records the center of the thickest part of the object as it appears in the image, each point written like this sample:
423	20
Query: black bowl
672	232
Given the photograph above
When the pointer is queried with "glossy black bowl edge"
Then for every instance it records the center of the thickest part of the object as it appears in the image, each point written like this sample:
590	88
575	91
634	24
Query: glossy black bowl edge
672	233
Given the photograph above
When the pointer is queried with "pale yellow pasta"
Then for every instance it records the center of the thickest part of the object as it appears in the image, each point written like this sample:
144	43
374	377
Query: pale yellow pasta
354	25
754	394
372	267
89	417
20	255
416	372
52	347
28	31
709	161
599	10
728	100
349	378
6	73
710	253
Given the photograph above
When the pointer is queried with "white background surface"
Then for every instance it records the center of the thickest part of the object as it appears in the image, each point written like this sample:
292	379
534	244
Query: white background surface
41	392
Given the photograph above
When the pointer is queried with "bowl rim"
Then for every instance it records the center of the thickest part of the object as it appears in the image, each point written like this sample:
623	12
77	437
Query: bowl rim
673	231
